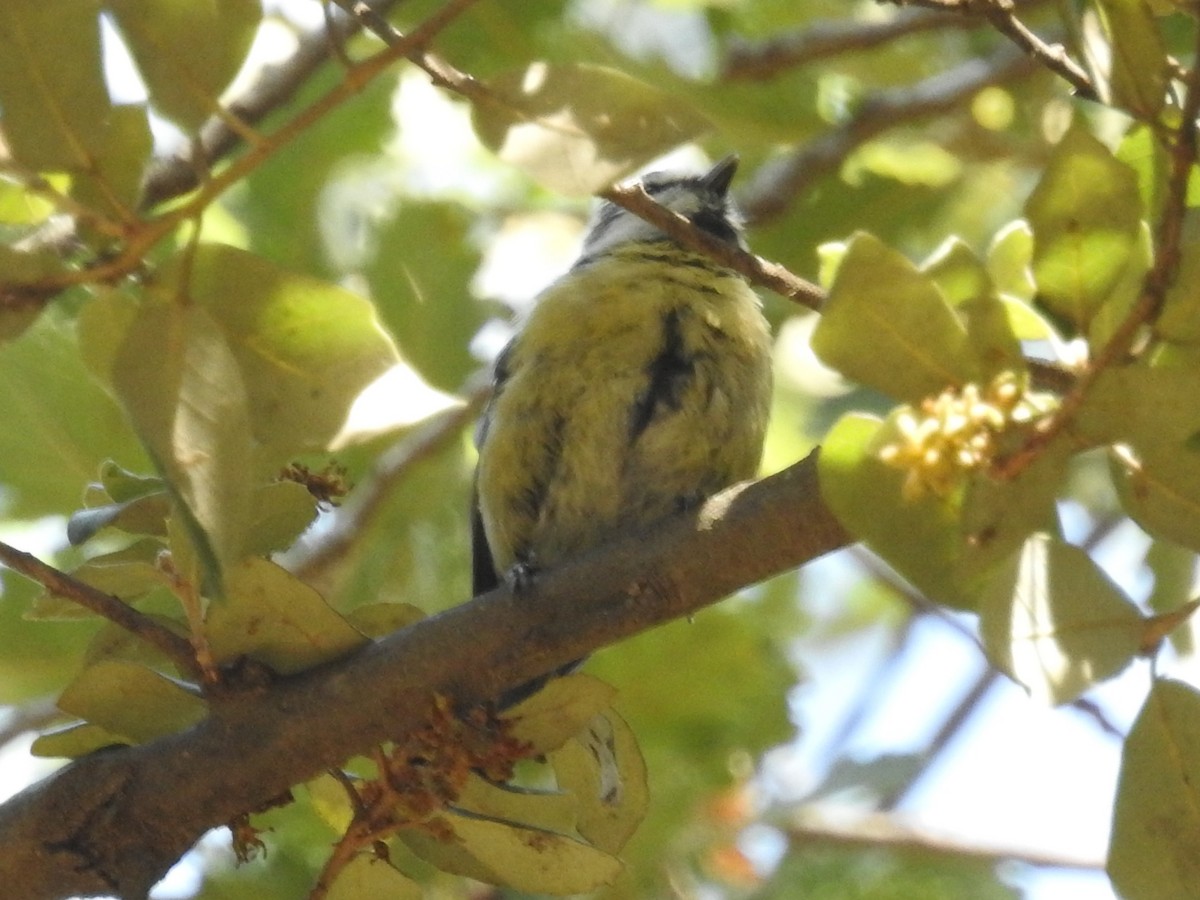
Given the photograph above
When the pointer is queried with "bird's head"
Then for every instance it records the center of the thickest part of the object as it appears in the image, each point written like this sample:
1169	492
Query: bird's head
703	199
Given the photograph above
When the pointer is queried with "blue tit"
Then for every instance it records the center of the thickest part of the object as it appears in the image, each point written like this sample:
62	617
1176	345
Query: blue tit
638	384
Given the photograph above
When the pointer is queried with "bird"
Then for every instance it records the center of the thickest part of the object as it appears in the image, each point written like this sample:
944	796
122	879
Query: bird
638	384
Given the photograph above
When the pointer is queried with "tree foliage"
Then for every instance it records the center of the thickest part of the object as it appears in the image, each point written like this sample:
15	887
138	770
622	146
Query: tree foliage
242	323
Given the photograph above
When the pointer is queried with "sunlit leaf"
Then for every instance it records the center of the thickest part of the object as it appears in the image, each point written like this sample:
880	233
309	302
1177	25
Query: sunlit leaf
1085	214
180	383
51	84
533	859
305	348
887	325
577	128
185	75
367	877
1156	822
1056	623
1159	487
921	538
603	769
276	619
551	810
1127	57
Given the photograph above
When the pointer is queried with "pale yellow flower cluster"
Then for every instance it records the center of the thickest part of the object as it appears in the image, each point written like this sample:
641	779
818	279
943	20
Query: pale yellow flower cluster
955	433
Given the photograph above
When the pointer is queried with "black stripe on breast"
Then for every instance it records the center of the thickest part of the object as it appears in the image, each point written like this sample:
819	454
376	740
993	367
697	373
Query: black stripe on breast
668	376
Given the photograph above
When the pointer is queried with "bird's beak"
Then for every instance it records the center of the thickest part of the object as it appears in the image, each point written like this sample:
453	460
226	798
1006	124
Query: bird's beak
720	176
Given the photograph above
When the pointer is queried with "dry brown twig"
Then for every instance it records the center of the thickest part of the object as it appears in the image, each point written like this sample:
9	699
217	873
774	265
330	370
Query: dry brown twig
1002	15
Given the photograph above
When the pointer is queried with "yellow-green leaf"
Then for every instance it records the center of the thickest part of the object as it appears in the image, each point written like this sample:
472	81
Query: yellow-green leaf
367	877
1156	821
273	617
132	701
921	538
305	348
559	711
1127	57
180	383
887	325
1056	623
604	769
187	51
1085	214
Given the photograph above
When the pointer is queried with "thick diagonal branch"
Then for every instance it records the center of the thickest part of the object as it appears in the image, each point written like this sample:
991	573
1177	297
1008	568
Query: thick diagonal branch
114	822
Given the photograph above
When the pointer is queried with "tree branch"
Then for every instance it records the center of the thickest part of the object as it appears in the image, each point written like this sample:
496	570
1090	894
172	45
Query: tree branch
777	183
1002	16
115	821
757	61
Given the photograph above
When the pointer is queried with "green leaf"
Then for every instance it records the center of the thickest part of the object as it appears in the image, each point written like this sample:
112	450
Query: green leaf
375	620
282	511
132	701
305	348
533	859
276	619
181	385
1159	488
1009	258
964	281
1127	58
1085	214
921	538
367	877
52	90
1143	405
74	741
1156	821
121	152
425	298
887	325
998	516
603	769
1056	623
559	711
57	421
555	811
184	73
576	128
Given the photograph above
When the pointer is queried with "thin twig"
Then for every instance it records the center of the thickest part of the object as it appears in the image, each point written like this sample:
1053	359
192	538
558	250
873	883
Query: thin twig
176	648
1001	14
1168	239
174	176
756	269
